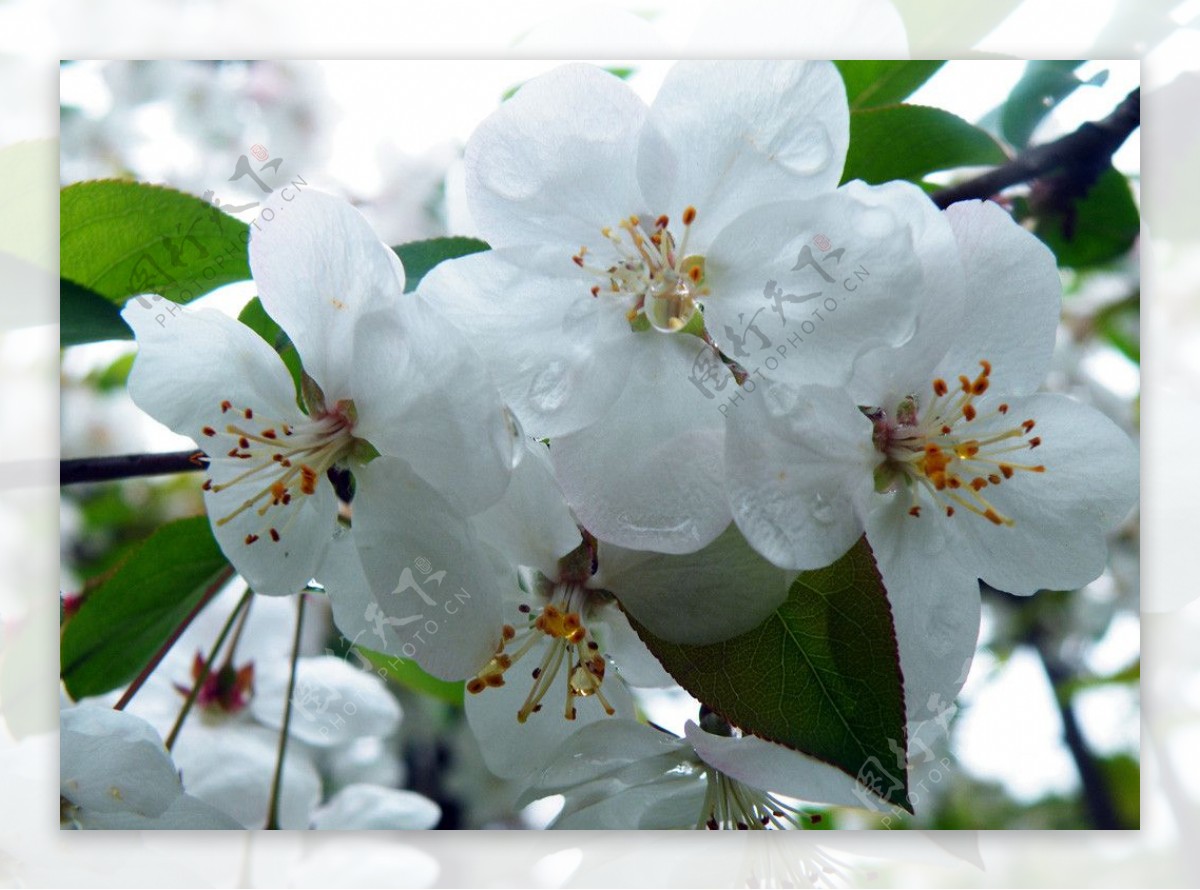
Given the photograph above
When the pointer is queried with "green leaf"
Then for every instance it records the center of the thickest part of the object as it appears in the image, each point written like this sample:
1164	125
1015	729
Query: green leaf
911	141
1043	85
86	317
1120	325
1101	226
129	614
121	239
821	675
408	673
874	82
419	257
254	316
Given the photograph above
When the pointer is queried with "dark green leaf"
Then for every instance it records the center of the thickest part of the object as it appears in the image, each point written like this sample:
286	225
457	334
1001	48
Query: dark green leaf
911	141
408	673
874	82
419	257
1043	85
86	317
122	239
821	675
1100	227
127	616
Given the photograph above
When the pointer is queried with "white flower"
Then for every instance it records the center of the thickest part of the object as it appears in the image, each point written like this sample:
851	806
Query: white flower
362	807
944	455
623	774
115	773
388	376
615	225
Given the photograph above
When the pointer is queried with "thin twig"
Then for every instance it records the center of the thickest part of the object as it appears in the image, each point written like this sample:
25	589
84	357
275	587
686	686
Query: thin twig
202	677
277	782
141	678
125	466
1083	154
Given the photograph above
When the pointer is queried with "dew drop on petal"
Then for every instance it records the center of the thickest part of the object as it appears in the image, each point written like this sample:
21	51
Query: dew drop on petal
822	510
548	390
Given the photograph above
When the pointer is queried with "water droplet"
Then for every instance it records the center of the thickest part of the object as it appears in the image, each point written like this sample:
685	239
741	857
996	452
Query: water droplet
822	510
549	387
516	436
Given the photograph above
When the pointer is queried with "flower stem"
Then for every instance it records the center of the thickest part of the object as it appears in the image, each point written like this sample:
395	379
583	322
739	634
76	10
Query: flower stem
1082	154
141	678
126	466
277	782
240	609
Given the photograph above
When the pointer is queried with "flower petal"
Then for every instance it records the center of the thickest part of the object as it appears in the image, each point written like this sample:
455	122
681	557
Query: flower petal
200	372
512	749
558	355
319	266
720	591
114	762
531	525
800	289
422	394
433	585
231	768
774	768
363	807
794	457
935	604
646	475
333	702
1061	516
726	136
555	163
1013	298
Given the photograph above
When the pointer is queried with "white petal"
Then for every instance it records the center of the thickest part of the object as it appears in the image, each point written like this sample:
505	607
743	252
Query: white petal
531	525
231	768
721	591
305	526
800	289
637	664
935	602
114	762
555	163
647	474
770	767
432	582
1013	298
334	702
189	362
558	355
512	749
187	368
601	750
726	136
185	813
794	459
375	808
423	394
1060	516
318	267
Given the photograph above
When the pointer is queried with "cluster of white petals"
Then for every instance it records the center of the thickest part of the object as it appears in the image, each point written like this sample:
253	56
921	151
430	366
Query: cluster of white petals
692	365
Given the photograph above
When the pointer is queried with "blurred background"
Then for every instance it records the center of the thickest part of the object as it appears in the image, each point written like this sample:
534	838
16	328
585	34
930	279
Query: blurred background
1164	34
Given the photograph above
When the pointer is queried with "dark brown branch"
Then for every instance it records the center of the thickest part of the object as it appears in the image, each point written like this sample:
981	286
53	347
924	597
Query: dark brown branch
1080	156
125	466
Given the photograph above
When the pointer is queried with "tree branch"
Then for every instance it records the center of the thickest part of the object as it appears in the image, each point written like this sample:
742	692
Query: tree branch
1080	157
125	466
